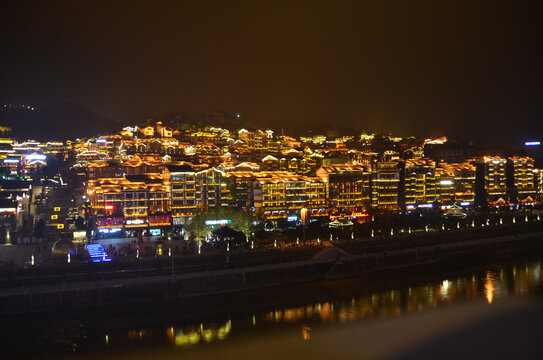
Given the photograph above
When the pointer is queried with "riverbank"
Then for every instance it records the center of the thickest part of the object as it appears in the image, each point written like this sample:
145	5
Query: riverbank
331	263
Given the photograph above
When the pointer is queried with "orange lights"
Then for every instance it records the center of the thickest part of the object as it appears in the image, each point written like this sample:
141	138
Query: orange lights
303	213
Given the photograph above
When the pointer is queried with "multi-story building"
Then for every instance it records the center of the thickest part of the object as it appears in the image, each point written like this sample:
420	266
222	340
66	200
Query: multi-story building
239	188
348	187
455	183
136	165
297	162
281	194
133	202
193	191
269	196
385	177
538	173
256	140
521	179
211	188
182	180
419	182
491	180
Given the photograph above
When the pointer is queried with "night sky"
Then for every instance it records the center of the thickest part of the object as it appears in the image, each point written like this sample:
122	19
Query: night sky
406	67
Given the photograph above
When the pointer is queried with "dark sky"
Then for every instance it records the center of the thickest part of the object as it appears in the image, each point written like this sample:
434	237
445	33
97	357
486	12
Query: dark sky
467	68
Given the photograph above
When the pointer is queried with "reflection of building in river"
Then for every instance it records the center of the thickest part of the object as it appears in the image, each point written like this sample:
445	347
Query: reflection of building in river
192	336
396	302
490	285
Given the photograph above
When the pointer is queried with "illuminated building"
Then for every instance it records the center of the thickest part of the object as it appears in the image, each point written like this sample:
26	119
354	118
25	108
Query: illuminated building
212	134
315	192
279	194
243	167
414	153
6	147
419	182
520	179
439	141
29	146
367	139
194	190
491	180
273	146
270	163
445	185
348	187
148	131
255	140
335	157
183	192
106	200
385	180
211	188
55	147
34	162
269	195
86	157
239	184
163	131
391	156
288	142
133	202
455	183
538	173
136	165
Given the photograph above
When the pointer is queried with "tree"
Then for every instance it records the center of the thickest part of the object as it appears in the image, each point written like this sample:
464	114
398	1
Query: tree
239	220
196	226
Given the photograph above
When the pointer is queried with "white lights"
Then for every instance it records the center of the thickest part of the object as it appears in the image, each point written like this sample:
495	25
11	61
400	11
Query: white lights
35	156
217	222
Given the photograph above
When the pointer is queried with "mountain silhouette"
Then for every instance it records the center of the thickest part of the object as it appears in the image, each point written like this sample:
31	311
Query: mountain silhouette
61	121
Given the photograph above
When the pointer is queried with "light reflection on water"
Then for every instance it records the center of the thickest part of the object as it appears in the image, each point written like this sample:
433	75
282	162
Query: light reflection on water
490	285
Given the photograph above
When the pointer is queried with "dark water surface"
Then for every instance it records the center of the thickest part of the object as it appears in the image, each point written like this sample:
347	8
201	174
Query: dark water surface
298	313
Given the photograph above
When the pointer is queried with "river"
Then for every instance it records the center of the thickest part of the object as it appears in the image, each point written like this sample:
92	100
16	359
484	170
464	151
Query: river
300	318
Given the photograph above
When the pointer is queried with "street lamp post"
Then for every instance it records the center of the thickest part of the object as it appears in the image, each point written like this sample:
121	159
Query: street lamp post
303	215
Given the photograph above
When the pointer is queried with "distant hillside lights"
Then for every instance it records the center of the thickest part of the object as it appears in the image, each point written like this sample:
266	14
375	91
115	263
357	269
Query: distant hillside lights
16	106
